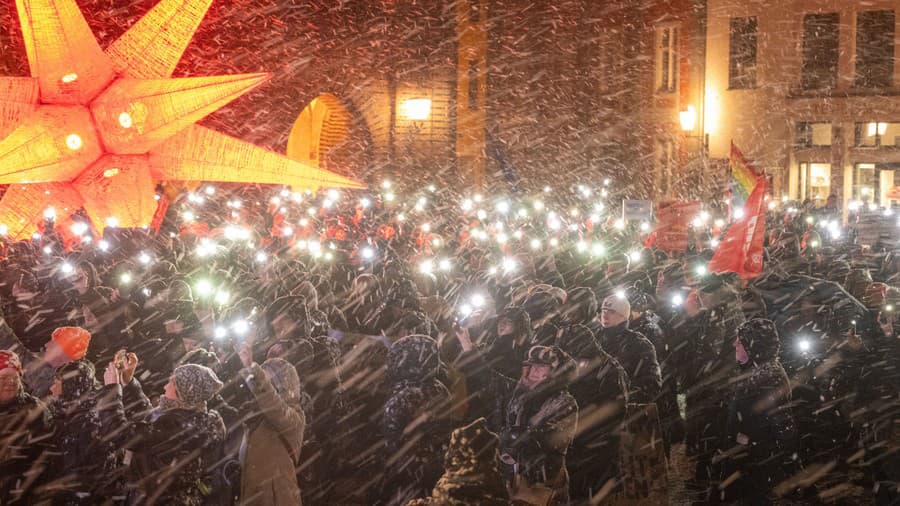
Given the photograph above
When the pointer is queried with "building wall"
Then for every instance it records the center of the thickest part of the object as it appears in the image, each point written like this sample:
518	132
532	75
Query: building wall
762	121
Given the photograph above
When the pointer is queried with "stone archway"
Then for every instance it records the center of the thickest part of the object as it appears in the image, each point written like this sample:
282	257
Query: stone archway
329	135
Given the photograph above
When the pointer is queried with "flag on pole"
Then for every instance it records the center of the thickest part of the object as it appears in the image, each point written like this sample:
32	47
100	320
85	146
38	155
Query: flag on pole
741	251
743	176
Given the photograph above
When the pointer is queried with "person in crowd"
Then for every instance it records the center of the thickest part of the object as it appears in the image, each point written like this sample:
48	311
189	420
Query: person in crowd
271	449
760	436
25	427
539	423
415	424
600	389
632	350
175	442
65	345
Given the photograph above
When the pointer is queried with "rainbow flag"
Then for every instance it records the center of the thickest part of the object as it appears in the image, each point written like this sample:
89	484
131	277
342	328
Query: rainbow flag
743	176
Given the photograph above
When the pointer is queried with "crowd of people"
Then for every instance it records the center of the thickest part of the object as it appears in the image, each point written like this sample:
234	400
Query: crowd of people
420	346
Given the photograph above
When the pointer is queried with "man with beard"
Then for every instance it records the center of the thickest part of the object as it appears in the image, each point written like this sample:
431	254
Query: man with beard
632	350
538	427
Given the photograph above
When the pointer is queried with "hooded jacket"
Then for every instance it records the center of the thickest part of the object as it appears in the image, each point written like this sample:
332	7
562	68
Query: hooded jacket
25	429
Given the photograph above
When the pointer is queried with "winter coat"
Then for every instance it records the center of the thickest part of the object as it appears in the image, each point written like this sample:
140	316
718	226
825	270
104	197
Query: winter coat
83	464
538	430
416	420
760	431
272	447
25	428
650	325
172	450
638	357
37	374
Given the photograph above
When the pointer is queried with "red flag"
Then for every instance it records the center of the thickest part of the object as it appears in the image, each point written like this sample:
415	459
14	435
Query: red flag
742	249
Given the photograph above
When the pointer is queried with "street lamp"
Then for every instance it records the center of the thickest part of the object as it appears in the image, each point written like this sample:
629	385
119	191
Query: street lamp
688	120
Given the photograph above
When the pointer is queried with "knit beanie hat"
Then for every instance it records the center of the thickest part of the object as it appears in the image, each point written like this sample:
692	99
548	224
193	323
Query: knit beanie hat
618	304
195	384
9	360
73	341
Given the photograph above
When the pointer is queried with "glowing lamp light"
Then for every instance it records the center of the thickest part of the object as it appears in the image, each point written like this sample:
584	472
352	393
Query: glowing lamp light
444	265
367	253
112	221
503	207
103	245
416	109
220	333
535	244
66	268
389	197
635	256
677	300
74	142
688	119
203	287
509	264
47	250
426	267
79	228
620	224
144	258
240	327
385	184
69	78
4	229
125	278
482	214
597	249
365	202
261	257
49	213
645	227
125	120
620	293
188	216
804	345
701	270
581	246
738	213
554	242
538	205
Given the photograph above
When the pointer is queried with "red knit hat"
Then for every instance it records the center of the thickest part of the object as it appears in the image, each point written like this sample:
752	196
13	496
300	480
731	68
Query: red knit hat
9	360
74	341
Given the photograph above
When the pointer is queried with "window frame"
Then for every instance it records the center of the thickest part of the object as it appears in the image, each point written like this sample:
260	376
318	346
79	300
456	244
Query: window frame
666	75
743	78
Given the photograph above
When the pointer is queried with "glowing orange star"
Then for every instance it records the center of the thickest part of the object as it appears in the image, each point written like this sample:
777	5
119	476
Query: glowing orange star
95	129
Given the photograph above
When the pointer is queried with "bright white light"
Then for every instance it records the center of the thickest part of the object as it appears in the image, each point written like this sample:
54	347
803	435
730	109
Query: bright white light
873	207
125	278
444	264
620	294
554	242
704	216
547	189
620	224
467	205
426	227
701	270
738	213
426	266
465	310
368	253
772	205
597	249
112	222
103	245
47	250
502	238
365	202
401	217
482	214
66	268
606	182
79	228
385	184
261	256
203	287
35	236
49	213
814	244
810	220
503	207
303	222
719	223
416	109
635	256
432	188
333	194
696	223
240	327
523	213
645	226
554	223
144	258
804	345
538	205
573	212
4	229
478	300
677	300
71	77
714	243
509	264
210	190
287	231
581	246
535	244
220	333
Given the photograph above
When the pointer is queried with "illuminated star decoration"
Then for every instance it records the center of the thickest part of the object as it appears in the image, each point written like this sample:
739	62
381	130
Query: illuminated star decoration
96	129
